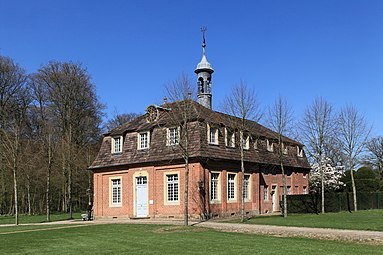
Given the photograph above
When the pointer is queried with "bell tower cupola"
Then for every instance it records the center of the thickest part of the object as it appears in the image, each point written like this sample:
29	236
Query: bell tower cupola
204	72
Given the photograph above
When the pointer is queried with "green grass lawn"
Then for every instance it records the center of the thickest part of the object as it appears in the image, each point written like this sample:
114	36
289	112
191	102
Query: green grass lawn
360	220
156	239
23	219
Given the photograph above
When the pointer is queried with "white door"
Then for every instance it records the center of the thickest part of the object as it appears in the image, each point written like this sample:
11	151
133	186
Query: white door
141	196
274	198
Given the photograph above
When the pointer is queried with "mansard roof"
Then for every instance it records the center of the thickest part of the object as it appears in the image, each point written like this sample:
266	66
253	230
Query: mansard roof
167	114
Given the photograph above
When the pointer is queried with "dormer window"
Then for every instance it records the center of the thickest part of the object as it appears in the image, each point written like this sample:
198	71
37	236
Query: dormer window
229	138
300	152
143	140
284	149
117	144
173	136
269	146
212	133
256	144
245	141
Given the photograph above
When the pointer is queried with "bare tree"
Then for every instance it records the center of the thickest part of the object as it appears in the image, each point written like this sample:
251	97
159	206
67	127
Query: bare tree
13	104
375	148
181	113
318	131
280	120
119	119
243	104
353	134
76	111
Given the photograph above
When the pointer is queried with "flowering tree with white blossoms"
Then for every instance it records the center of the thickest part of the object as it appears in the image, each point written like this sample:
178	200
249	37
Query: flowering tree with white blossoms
331	175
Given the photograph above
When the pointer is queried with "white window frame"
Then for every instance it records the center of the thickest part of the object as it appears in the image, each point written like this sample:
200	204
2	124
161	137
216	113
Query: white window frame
212	132
174	185
284	149
304	189
140	146
269	146
245	141
215	187
288	190
229	138
231	187
172	141
265	193
247	187
300	152
256	144
117	149
115	188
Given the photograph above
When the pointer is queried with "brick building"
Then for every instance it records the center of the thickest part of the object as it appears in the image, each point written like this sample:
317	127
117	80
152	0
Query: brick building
140	169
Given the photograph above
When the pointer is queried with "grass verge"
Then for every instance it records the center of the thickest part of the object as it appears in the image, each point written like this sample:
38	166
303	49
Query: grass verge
155	239
360	220
24	219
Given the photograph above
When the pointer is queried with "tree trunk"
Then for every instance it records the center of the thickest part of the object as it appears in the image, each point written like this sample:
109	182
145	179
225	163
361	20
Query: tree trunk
48	211
322	183
242	180
29	196
186	195
284	191
15	190
353	187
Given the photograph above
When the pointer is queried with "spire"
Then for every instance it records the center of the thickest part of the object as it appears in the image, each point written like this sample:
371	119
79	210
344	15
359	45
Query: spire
204	71
204	64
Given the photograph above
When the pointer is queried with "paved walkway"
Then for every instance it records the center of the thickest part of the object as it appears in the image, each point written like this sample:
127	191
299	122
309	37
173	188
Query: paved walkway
374	237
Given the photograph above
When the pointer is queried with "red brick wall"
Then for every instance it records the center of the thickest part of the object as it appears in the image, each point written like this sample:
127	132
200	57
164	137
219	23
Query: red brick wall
157	207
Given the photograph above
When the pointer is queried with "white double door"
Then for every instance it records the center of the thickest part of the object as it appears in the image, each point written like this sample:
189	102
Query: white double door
141	196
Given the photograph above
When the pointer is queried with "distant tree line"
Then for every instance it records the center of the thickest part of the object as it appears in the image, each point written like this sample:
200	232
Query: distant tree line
50	124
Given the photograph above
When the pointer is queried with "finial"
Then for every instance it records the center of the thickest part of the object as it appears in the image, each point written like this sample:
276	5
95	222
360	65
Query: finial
165	100
203	30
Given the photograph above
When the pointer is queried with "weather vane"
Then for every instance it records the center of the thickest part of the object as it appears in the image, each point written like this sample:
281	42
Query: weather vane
203	30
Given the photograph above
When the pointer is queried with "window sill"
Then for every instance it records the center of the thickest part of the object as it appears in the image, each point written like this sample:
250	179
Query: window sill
116	153
172	203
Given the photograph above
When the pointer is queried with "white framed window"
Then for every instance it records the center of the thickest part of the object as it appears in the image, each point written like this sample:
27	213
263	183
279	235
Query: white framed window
172	190
256	144
215	187
284	149
231	187
117	144
265	193
245	141
269	146
229	138
115	192
212	134
304	175
304	190
288	190
300	152
173	136
246	187
143	140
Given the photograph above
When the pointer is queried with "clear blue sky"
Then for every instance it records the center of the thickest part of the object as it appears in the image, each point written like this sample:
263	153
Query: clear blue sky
298	49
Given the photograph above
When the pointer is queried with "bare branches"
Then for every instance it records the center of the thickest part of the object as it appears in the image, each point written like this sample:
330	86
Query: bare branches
243	103
353	134
280	120
375	148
